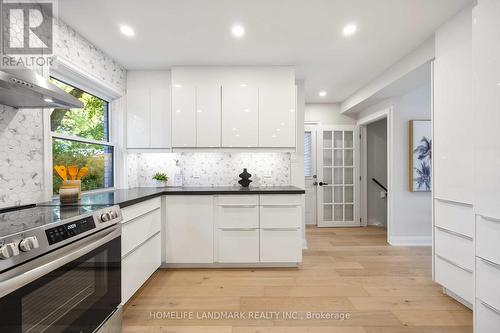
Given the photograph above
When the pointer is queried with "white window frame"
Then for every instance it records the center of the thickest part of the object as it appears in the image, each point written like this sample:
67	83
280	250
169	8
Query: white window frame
83	85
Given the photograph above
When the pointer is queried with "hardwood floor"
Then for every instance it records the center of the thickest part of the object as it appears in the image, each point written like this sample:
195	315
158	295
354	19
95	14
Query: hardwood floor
346	271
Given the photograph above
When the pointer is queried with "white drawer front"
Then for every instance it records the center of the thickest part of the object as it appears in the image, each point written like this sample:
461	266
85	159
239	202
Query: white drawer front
487	282
454	247
280	199
487	319
488	239
455	217
138	230
454	278
238	216
238	246
280	216
238	199
138	266
280	246
131	212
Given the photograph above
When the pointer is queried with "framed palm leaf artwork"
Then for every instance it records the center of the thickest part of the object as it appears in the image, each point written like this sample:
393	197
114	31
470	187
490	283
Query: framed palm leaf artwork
420	155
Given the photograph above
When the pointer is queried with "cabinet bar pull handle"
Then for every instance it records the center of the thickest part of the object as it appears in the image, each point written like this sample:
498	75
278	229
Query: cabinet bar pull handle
454	264
489	218
238	206
238	229
491	263
489	307
278	206
454	233
280	229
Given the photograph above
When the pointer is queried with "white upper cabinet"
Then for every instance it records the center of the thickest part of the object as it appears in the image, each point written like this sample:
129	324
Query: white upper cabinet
183	116
160	120
208	116
138	118
240	116
486	55
148	109
277	116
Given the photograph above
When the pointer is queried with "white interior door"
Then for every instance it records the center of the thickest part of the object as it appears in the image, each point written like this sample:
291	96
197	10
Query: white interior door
311	179
338	176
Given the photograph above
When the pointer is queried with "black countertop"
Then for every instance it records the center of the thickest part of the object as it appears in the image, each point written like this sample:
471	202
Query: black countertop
128	197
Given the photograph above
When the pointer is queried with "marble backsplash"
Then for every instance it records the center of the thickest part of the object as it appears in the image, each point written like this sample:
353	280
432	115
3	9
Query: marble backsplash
210	168
21	156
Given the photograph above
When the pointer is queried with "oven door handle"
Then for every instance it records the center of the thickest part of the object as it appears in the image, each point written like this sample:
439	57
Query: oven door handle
57	259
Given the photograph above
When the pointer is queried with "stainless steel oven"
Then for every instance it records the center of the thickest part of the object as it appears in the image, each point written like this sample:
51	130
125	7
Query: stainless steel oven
74	287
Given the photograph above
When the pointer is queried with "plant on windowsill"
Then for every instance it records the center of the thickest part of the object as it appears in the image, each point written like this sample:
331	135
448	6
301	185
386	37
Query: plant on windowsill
161	179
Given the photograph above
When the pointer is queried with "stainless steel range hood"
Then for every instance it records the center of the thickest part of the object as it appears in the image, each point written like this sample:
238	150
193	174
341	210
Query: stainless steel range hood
23	88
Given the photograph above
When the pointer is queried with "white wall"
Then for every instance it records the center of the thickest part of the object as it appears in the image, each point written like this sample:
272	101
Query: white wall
327	114
376	138
411	213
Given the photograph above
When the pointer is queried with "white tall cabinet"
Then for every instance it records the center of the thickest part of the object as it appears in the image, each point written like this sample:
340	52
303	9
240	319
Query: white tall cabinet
453	156
148	109
486	67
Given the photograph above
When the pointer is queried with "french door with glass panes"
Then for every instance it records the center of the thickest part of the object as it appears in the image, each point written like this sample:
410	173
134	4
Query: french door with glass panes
338	176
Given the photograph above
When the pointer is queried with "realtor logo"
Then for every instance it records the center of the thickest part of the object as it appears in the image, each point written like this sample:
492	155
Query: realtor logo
27	28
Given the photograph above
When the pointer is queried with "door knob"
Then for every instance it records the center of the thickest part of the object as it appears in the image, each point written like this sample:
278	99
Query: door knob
321	183
315	183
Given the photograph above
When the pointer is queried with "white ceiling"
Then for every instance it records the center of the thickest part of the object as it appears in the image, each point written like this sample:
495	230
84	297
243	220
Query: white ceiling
304	33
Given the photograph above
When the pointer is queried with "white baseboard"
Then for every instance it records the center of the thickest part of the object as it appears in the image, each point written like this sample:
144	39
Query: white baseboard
410	241
304	244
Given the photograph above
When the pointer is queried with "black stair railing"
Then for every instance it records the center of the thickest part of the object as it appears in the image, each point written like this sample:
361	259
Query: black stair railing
379	184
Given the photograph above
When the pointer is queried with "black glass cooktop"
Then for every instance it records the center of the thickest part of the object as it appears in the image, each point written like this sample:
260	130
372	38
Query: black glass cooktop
19	220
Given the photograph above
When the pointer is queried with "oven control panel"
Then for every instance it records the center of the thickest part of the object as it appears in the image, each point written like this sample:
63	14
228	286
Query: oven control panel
68	230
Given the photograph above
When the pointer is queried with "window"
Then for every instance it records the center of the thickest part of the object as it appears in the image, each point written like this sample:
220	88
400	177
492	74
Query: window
308	158
80	137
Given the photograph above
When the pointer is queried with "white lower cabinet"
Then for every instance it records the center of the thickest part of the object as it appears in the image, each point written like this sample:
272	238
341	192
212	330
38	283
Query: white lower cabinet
238	245
486	318
454	278
139	265
233	229
189	233
141	245
280	245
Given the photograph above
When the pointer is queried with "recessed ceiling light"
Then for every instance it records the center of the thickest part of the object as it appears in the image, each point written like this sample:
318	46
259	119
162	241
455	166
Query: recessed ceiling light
322	93
48	100
127	30
238	30
350	29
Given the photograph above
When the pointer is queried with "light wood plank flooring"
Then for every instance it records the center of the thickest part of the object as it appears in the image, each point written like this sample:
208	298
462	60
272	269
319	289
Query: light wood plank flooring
384	289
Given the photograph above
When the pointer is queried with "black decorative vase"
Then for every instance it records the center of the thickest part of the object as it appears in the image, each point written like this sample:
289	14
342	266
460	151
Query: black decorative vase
245	178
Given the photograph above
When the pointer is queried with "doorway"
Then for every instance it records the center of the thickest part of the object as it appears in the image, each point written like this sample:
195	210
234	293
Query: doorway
376	173
375	168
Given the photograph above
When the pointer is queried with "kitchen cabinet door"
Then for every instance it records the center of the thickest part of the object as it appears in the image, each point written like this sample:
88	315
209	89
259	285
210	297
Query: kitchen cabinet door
277	116
138	118
160	117
189	235
240	117
183	116
208	116
486	52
